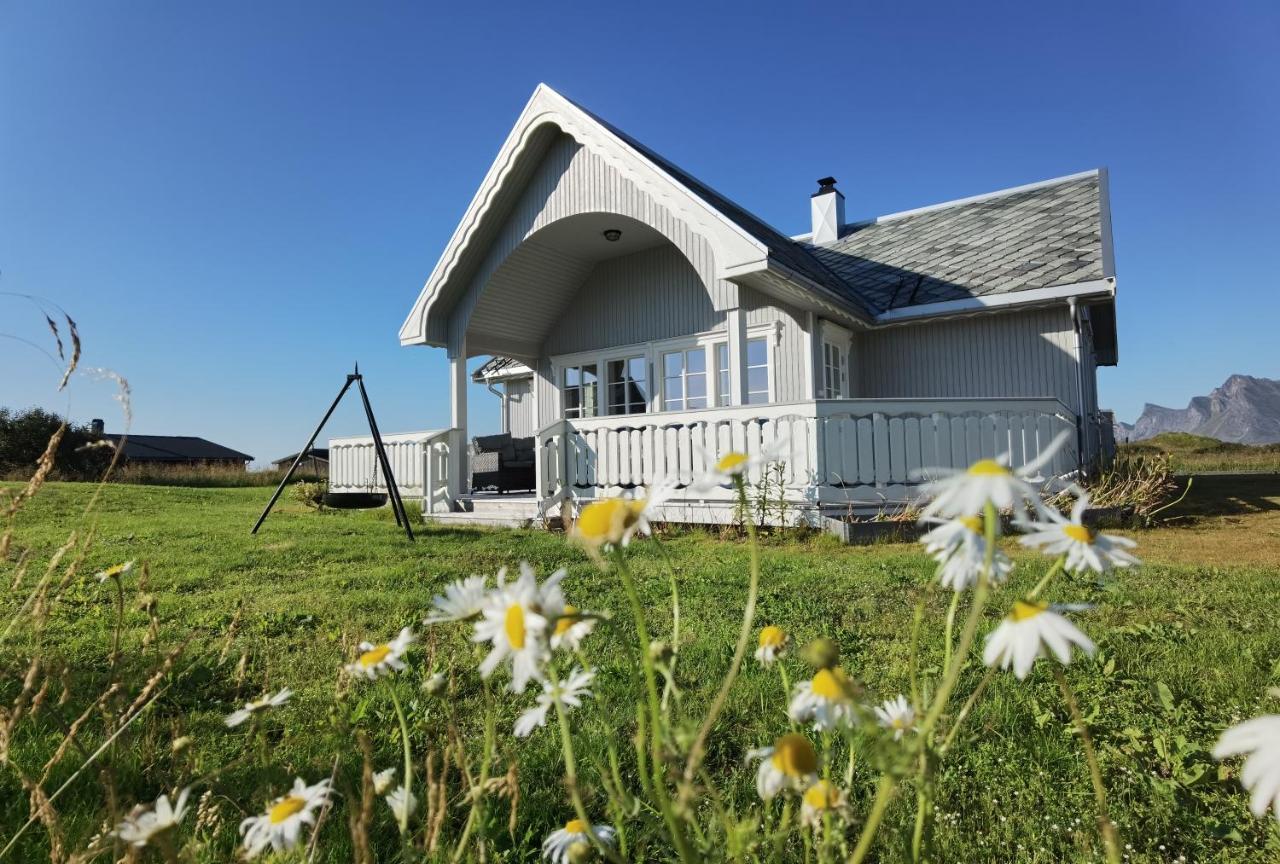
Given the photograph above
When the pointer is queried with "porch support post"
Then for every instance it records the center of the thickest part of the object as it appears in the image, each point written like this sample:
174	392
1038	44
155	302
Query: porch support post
458	418
736	322
813	350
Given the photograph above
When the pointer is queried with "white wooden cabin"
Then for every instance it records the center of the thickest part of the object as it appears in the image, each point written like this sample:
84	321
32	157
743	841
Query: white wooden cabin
638	320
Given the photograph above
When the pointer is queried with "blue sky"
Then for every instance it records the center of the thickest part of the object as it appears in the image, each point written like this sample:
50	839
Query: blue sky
238	200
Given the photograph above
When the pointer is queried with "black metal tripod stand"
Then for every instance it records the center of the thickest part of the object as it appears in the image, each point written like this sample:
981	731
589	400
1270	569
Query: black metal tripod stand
393	491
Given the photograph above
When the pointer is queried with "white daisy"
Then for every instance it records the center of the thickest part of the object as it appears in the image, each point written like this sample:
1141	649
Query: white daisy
281	826
382	781
967	492
722	471
820	799
571	628
772	644
1260	739
1023	636
460	601
570	694
143	823
612	522
897	715
960	548
566	844
115	571
791	763
826	699
378	660
235	718
403	804
512	620
1085	548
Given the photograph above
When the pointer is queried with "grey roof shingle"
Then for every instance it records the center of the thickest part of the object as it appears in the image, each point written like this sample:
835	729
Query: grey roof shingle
1030	238
175	448
1034	237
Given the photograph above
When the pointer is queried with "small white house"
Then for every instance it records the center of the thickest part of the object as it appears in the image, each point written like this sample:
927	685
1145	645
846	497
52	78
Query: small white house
637	320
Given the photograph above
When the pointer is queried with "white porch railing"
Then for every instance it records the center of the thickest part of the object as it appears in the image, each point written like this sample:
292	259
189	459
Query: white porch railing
419	461
848	452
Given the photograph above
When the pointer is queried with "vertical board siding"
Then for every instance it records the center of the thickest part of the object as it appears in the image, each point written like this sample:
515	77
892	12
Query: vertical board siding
651	294
519	419
1015	354
569	181
791	360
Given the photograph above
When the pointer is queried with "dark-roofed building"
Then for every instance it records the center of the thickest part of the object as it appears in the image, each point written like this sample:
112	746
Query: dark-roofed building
647	323
314	464
172	449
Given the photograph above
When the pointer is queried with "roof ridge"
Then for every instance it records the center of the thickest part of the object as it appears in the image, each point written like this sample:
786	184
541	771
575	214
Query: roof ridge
985	196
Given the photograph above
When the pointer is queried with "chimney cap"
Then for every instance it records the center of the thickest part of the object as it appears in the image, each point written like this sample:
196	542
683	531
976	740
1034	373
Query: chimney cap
825	185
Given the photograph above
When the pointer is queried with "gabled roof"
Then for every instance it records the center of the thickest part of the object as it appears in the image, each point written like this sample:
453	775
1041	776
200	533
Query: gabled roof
499	368
782	249
1038	236
950	258
174	448
317	453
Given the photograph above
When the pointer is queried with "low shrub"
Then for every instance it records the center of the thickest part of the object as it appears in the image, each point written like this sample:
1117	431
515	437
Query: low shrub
310	493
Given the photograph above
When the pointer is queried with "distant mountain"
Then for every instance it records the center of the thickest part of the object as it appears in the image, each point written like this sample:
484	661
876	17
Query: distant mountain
1245	410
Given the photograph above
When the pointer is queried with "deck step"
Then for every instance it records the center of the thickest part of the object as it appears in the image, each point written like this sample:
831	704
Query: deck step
490	520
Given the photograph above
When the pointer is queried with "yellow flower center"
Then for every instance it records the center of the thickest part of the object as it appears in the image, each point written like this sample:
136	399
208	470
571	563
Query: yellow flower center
731	462
822	796
1024	610
282	810
1079	533
514	625
973	523
899	722
374	656
772	637
988	468
830	684
567	621
793	755
116	570
608	520
575	826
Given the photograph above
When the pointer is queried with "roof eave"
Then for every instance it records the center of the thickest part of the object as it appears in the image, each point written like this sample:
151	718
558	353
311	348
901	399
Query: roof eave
1094	288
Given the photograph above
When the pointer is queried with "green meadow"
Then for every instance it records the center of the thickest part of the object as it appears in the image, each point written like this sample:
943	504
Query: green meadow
1187	645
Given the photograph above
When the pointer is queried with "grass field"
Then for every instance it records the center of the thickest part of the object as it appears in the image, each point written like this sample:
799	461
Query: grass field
1188	645
1196	454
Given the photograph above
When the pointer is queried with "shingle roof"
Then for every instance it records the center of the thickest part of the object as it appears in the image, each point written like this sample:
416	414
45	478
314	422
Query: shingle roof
175	448
1044	235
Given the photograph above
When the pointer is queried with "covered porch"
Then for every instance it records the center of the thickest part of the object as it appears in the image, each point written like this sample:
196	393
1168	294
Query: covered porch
842	456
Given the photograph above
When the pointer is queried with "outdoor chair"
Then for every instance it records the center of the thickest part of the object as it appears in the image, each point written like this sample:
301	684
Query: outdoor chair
501	462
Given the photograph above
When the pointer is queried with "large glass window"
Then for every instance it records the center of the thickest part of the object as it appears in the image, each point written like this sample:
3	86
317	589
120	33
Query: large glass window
684	379
835	371
627	385
757	371
581	391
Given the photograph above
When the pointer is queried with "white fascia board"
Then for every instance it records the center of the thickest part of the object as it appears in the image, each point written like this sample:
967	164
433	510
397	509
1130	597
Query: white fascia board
734	247
1029	297
1104	223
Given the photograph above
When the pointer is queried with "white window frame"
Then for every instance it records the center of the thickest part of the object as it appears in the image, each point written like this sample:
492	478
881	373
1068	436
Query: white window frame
656	375
838	341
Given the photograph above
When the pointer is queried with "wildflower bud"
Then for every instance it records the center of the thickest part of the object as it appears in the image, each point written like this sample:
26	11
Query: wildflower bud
821	653
580	852
435	684
660	652
181	743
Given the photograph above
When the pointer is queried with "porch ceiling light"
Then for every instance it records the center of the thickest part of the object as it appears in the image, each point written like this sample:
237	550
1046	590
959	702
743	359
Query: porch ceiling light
612	234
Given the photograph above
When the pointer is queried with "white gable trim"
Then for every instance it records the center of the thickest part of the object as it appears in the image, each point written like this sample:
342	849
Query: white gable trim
735	250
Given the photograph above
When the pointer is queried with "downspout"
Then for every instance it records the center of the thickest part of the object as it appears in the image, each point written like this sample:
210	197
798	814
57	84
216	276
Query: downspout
1080	407
502	403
